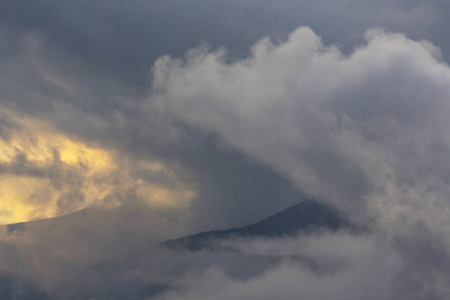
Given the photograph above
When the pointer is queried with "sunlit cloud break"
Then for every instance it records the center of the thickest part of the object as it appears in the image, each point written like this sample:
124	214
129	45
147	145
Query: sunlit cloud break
46	174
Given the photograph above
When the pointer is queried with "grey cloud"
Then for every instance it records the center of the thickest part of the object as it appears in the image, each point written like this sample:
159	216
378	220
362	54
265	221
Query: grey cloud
14	289
362	136
103	112
7	127
68	260
366	131
102	64
92	253
123	39
358	267
304	108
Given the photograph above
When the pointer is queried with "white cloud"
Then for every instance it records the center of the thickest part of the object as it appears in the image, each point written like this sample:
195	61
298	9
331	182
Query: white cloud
343	267
343	128
368	131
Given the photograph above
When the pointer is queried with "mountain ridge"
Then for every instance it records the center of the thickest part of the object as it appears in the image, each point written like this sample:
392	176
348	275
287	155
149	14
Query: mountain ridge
305	217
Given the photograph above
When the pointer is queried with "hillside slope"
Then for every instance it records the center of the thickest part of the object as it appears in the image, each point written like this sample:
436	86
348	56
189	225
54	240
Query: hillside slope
304	217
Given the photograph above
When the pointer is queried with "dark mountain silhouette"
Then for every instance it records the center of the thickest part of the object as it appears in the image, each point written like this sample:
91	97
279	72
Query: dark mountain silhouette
304	217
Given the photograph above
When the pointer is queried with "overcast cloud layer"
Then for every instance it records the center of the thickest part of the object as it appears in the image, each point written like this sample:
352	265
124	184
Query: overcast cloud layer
163	118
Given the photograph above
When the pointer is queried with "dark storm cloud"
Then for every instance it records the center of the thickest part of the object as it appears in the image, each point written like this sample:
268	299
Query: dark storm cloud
234	190
364	128
124	39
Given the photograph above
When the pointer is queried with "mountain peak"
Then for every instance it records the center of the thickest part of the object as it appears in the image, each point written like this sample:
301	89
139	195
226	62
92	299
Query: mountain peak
305	217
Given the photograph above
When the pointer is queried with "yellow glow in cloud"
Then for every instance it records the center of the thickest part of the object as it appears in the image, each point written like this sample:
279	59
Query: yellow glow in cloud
39	142
13	191
43	147
68	175
156	196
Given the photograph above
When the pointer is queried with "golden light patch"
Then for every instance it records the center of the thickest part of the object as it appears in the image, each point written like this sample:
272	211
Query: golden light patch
44	173
156	196
26	189
16	194
39	142
12	187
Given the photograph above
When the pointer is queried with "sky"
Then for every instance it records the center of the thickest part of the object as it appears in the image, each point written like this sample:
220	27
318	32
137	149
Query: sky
125	123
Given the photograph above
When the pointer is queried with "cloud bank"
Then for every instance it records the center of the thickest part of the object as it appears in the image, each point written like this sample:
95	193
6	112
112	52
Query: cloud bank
348	268
367	132
315	114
